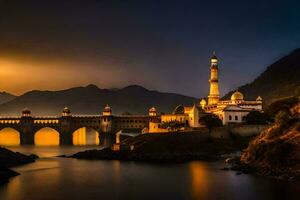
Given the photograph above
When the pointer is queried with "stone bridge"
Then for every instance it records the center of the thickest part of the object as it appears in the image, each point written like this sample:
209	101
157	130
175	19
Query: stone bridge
107	125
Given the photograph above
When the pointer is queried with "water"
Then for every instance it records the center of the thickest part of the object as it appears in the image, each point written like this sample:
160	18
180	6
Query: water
62	178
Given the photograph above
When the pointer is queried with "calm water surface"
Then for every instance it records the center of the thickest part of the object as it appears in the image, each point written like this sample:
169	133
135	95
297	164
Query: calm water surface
62	178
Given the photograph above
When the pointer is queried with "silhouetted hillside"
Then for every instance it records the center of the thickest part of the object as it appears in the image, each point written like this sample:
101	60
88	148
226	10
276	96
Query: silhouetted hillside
91	100
279	80
5	97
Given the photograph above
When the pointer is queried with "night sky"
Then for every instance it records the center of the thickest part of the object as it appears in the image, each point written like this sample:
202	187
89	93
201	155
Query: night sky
161	45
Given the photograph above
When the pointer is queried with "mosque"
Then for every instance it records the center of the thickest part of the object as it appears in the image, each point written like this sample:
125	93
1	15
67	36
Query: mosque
229	111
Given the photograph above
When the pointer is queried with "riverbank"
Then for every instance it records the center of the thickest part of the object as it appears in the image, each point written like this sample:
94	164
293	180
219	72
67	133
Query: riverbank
9	159
172	147
276	151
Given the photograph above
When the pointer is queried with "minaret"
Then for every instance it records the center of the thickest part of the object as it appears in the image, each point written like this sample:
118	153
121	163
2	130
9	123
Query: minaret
214	94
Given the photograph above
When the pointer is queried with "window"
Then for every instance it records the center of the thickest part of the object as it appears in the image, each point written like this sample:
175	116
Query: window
236	118
230	117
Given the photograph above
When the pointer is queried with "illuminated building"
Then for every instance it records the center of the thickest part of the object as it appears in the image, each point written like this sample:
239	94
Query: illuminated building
229	111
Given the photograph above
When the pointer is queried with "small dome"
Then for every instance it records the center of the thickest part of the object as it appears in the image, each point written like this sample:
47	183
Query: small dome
214	57
107	108
26	111
178	110
153	109
66	110
259	98
237	96
203	102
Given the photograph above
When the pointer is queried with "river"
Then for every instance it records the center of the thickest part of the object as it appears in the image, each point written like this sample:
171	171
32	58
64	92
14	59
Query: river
56	178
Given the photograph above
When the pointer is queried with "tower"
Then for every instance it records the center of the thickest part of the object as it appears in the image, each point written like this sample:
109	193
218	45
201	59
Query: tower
214	94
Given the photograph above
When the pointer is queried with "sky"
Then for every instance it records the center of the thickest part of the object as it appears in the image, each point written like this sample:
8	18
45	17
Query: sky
161	45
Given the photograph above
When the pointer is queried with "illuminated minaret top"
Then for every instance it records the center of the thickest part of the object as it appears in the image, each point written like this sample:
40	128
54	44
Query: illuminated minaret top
214	95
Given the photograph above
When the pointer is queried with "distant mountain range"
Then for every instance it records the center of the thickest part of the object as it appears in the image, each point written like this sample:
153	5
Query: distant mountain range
91	100
279	80
6	97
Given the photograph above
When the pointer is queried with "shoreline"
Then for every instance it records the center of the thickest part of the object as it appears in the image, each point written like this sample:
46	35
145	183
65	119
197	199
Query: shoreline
10	159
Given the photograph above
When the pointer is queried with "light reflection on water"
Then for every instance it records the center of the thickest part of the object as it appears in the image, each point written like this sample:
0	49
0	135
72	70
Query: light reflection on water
62	178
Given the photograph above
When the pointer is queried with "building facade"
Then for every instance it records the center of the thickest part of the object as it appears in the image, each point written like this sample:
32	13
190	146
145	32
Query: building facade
229	111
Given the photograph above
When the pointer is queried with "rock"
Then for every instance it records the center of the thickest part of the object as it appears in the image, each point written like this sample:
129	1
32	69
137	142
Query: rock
11	159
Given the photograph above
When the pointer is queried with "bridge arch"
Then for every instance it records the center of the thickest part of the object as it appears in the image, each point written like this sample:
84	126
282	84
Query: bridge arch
9	136
46	136
85	136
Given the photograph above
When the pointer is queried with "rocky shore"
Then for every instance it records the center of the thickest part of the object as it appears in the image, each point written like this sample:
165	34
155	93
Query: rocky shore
174	147
12	159
276	151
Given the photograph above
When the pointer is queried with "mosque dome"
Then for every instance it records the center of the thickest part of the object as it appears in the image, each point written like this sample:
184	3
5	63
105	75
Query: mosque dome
237	96
214	57
259	98
66	110
153	109
178	110
26	112
202	102
107	108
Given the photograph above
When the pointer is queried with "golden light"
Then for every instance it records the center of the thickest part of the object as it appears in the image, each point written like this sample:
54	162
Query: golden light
9	137
199	180
46	137
85	136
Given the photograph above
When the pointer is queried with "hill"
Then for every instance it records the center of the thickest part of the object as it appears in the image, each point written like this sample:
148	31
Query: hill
5	97
91	100
279	80
276	151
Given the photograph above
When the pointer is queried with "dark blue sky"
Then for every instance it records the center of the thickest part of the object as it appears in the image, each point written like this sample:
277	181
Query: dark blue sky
162	45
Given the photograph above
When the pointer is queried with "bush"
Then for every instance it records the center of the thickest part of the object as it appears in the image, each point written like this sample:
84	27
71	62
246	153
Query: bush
257	117
211	121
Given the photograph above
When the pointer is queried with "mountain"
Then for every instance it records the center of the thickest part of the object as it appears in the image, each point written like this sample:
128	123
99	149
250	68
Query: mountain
91	100
5	97
279	80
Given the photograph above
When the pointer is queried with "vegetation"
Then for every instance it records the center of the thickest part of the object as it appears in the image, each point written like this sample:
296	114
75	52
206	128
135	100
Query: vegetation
276	151
211	121
257	117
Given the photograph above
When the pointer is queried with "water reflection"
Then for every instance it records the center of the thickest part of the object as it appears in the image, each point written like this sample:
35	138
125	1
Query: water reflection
9	137
199	180
46	137
64	178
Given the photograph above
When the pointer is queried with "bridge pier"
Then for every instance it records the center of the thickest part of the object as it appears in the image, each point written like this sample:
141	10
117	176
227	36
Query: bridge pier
66	138
107	139
26	138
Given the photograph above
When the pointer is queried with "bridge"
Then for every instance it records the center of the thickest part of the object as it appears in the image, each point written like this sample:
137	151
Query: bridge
107	125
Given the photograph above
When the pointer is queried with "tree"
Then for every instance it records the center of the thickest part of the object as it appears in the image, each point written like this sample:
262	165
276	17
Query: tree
256	117
211	121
